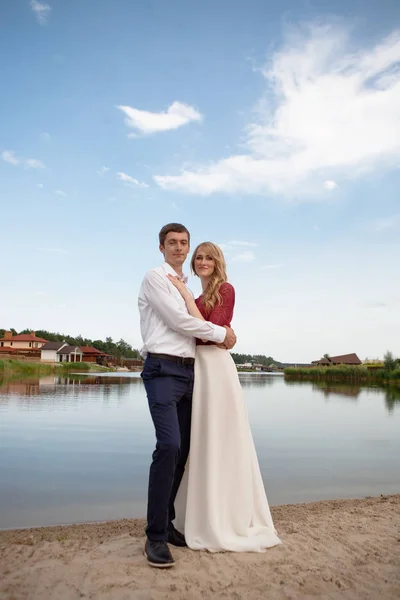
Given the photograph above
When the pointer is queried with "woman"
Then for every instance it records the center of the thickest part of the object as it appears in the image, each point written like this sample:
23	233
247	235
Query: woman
221	503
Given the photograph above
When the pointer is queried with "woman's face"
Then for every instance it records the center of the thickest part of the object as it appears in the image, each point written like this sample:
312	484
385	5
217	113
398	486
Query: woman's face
204	263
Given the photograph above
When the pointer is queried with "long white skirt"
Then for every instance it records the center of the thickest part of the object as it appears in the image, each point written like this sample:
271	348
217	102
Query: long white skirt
221	503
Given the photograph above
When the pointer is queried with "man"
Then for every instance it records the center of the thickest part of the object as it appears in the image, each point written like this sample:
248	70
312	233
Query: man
169	333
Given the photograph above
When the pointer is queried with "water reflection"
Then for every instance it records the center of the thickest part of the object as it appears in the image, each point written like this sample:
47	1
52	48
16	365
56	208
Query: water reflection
255	380
392	397
64	385
78	447
343	390
45	390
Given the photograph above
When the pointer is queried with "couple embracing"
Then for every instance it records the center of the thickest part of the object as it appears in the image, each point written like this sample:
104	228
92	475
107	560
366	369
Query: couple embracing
218	501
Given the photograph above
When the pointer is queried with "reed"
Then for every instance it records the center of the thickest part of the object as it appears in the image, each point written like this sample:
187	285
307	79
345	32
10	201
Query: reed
78	366
21	368
17	368
339	373
352	374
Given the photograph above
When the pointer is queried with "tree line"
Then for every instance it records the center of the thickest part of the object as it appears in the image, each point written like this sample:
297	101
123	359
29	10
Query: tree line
118	349
258	359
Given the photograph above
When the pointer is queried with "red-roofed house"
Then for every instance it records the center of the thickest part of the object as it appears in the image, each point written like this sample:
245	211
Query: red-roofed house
93	355
6	350
24	342
343	359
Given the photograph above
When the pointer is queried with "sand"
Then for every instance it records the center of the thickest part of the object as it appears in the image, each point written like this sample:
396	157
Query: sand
331	549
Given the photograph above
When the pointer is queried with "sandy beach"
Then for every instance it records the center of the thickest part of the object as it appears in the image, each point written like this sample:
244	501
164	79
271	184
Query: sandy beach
331	549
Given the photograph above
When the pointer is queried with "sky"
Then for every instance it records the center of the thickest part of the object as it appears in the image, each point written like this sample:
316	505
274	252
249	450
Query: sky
272	129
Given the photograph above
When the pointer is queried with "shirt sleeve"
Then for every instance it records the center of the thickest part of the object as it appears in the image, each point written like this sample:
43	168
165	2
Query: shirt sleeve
156	292
222	314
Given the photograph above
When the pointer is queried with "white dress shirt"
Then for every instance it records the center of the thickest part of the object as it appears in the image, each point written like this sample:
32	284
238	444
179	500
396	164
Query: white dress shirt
166	326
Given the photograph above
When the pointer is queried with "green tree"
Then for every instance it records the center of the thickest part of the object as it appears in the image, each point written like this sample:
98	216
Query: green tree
389	361
120	349
259	359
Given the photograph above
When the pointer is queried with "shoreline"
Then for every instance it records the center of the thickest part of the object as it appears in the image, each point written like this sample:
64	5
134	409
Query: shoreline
331	548
13	369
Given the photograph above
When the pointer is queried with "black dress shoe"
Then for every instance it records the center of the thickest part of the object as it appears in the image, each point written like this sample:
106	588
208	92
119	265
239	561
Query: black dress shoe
158	554
176	538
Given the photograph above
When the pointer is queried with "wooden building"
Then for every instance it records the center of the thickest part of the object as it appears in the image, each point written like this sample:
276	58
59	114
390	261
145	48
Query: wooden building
343	359
93	355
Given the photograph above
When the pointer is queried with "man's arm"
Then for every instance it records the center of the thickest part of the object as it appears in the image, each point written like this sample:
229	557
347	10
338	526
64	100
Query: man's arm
155	289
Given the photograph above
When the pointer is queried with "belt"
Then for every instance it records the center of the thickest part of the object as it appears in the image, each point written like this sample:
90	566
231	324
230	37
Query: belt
180	360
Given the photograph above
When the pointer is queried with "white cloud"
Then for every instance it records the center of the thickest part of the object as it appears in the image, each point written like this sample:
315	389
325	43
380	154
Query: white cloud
40	293
330	185
29	163
232	246
131	180
33	163
146	122
247	256
9	156
45	136
103	171
328	113
60	193
266	267
41	11
40	185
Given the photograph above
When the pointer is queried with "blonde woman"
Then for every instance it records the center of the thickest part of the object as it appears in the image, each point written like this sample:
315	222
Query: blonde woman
221	503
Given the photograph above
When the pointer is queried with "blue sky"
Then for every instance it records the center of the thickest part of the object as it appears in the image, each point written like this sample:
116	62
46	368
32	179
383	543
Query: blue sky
270	128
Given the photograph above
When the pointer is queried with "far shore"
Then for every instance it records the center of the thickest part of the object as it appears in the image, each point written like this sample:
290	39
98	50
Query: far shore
20	369
359	375
344	549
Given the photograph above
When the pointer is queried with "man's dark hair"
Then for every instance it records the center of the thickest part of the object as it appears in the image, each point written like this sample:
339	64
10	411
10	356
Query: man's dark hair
175	227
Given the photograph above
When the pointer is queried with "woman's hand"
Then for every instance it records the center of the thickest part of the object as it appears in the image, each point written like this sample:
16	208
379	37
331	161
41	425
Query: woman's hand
180	286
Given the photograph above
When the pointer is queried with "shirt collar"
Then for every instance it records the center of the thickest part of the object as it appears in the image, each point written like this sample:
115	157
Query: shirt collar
169	269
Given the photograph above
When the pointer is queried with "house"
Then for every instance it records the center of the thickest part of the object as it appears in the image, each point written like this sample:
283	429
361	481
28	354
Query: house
343	359
93	355
70	354
6	350
49	351
24	343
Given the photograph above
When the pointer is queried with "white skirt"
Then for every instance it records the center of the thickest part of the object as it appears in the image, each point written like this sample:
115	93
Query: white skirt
221	503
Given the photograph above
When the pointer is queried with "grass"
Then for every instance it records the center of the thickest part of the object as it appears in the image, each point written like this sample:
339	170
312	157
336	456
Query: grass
78	366
18	369
339	373
389	375
351	374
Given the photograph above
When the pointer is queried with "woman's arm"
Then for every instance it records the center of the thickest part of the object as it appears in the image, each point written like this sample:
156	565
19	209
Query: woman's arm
192	308
187	296
222	314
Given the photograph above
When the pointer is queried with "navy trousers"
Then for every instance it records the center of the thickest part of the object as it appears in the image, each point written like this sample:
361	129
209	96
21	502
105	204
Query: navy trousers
169	388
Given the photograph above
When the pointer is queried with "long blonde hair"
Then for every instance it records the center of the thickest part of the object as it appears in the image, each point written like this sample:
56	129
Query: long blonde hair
211	295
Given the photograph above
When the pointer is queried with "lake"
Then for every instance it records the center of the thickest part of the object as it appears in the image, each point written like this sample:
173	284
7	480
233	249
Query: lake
78	448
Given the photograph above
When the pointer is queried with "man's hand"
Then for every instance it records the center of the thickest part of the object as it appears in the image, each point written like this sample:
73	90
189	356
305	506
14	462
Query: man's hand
230	338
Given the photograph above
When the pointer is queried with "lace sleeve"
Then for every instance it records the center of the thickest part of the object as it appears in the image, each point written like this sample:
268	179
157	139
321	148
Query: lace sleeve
222	314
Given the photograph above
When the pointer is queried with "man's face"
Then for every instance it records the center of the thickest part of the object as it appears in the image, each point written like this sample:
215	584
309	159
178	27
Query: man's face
176	248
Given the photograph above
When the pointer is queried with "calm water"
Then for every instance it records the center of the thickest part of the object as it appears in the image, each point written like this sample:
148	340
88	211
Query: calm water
78	449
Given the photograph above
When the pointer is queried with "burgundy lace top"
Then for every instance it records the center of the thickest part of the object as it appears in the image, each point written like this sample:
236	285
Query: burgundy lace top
221	314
